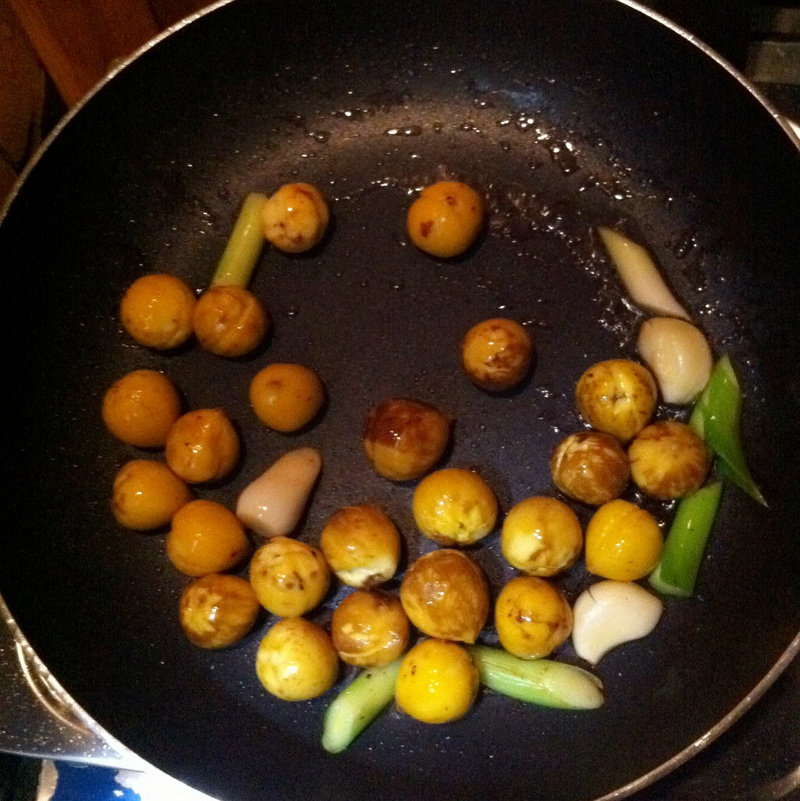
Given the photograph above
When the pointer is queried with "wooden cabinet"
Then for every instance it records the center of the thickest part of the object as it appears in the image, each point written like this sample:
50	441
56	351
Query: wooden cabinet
77	41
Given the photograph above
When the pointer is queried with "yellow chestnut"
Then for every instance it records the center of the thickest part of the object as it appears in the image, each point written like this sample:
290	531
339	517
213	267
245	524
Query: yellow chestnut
437	682
454	507
290	577
623	541
229	320
541	536
369	628
147	494
445	219
296	660
617	396
156	310
532	617
286	397
295	218
668	460
496	354
404	438
202	446
206	537
445	595
590	467
141	407
361	544
217	610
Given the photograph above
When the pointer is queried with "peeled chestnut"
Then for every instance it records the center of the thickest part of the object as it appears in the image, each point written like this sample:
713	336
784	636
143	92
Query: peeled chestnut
445	595
591	467
369	628
668	460
404	438
617	396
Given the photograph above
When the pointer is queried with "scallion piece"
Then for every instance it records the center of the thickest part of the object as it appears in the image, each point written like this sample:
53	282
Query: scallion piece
244	245
358	705
685	544
716	418
537	681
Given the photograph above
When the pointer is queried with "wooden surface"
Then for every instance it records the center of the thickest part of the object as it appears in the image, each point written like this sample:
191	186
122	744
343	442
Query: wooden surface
73	44
77	41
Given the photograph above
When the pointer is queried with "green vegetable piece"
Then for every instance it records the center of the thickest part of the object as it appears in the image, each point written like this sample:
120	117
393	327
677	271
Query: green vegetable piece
244	245
676	573
716	418
537	681
358	705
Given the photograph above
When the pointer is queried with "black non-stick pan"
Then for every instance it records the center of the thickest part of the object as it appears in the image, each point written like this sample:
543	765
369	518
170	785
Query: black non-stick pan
565	116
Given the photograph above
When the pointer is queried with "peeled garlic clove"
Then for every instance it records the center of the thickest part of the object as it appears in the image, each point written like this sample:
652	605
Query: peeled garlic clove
273	504
679	356
640	275
610	613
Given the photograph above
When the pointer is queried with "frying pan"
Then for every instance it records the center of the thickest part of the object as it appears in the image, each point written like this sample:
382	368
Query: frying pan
565	116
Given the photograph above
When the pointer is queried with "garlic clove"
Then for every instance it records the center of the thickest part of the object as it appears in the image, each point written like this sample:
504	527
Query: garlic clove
639	273
679	356
610	613
272	505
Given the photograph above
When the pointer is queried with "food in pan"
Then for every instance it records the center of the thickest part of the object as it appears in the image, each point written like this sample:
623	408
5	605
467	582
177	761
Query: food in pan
156	310
591	467
202	446
716	418
295	218
290	577
206	537
286	397
296	660
532	617
444	594
678	355
685	543
272	504
243	246
446	219
668	460
496	354
141	407
404	438
618	397
544	682
623	541
609	613
437	682
640	275
454	507
146	494
229	320
357	705
369	628
362	545
217	610
541	536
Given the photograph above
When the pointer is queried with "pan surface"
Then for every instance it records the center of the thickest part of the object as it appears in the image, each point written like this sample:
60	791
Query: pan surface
565	116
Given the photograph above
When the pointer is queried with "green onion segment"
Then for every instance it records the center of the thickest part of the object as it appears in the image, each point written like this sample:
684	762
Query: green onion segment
716	418
684	546
537	681
244	245
358	705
